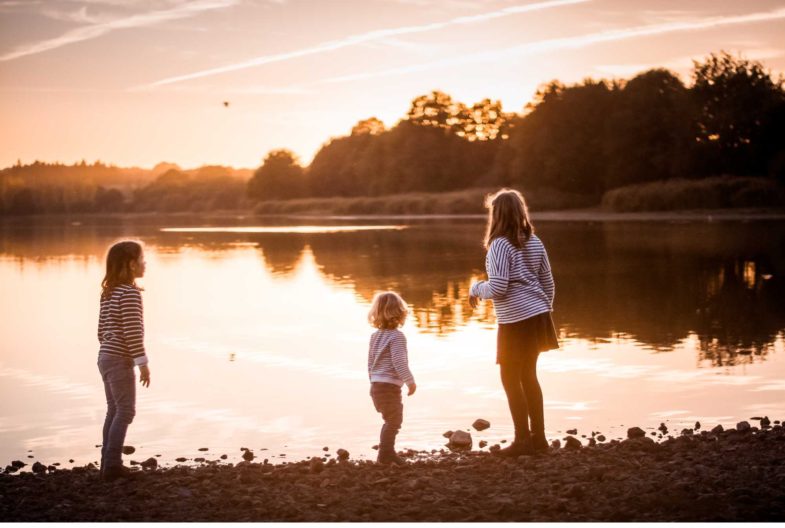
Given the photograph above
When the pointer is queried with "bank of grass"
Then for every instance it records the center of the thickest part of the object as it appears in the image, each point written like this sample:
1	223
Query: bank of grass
721	192
468	201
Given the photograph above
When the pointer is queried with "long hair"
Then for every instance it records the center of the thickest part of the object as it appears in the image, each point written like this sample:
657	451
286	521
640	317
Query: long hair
508	217
388	311
118	266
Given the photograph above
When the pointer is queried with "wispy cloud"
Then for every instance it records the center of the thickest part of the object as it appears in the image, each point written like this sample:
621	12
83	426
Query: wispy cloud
681	63
550	45
354	40
184	10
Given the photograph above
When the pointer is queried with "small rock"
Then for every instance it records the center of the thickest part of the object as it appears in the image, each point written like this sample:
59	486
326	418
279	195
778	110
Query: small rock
572	431
600	438
481	424
52	468
11	469
765	422
343	454
460	440
39	468
224	457
248	455
325	448
447	434
635	432
592	442
504	441
686	432
697	426
663	428
375	447
743	426
18	464
180	459
654	433
316	465
718	429
199	459
203	448
483	443
556	444
129	450
495	448
150	463
70	460
570	442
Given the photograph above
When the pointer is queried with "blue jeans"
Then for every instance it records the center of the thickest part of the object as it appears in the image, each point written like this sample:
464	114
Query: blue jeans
120	387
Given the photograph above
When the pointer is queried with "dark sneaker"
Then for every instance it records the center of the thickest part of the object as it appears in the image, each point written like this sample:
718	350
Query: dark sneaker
116	472
517	448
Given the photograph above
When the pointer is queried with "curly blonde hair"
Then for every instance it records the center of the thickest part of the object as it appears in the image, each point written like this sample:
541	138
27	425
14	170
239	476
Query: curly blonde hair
388	311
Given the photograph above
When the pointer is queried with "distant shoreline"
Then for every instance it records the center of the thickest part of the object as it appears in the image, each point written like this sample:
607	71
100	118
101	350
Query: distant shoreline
564	215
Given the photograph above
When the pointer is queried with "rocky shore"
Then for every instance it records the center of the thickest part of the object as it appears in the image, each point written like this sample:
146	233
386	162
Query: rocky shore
717	475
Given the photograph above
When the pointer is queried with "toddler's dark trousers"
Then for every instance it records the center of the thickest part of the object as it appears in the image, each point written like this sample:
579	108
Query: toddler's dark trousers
387	400
120	388
524	396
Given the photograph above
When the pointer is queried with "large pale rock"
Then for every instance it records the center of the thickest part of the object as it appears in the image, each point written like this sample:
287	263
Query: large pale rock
460	440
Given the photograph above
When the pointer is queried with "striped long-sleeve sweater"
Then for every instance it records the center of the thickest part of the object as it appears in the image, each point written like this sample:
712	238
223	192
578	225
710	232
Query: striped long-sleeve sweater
121	325
519	280
388	360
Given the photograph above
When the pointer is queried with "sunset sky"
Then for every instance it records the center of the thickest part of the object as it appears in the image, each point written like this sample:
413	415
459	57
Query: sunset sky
136	82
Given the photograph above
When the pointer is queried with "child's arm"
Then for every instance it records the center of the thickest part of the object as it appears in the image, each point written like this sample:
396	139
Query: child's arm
400	360
546	278
133	325
498	268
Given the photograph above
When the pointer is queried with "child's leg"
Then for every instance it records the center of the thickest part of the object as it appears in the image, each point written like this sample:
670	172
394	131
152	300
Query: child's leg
512	380
387	400
119	381
531	387
111	409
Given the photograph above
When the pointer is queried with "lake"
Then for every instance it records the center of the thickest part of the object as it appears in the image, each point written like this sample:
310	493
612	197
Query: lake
257	333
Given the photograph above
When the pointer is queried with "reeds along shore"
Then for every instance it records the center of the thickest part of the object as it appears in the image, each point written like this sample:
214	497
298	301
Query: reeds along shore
733	475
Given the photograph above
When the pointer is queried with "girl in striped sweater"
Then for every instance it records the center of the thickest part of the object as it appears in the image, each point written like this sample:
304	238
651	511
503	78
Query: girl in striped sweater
388	370
522	289
121	335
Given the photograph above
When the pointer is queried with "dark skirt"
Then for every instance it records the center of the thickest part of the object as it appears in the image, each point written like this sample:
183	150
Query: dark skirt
515	341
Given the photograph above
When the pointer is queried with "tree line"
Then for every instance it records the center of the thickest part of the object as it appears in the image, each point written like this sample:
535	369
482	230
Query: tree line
578	140
585	138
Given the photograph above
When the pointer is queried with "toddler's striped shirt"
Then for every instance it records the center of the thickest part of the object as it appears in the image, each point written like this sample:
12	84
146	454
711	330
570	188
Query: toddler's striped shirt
388	361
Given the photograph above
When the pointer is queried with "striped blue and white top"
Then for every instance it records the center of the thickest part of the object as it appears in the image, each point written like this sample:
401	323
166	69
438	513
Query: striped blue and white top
519	280
120	324
388	360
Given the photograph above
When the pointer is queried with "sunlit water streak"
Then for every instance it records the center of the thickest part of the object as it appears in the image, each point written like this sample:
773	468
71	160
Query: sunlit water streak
261	343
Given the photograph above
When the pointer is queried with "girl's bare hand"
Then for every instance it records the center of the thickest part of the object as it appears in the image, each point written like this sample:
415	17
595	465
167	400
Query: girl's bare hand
412	388
473	301
144	375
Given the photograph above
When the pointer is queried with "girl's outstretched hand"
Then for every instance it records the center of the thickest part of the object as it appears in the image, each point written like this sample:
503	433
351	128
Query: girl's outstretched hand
144	375
412	388
473	301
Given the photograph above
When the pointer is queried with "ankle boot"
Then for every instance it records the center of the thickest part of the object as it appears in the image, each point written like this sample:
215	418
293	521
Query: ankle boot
539	443
389	456
522	445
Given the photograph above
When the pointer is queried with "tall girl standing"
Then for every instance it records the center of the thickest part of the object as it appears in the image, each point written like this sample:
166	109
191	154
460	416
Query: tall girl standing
522	289
121	335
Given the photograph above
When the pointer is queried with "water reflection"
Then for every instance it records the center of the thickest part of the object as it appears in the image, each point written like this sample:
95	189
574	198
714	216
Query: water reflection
657	283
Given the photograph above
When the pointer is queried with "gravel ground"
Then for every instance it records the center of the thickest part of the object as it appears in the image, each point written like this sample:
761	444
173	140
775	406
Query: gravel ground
734	475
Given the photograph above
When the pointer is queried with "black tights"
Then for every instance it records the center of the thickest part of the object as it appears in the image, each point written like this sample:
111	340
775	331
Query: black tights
524	396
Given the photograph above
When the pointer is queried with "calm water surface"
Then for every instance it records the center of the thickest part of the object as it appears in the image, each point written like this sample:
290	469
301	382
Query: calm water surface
257	335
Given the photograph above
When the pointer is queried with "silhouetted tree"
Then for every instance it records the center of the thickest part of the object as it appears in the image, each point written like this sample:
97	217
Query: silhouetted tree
279	177
737	104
